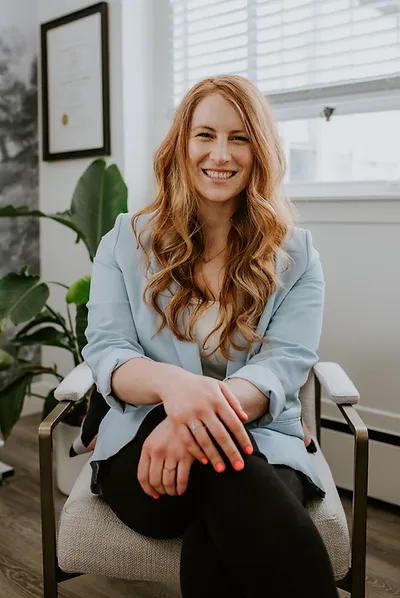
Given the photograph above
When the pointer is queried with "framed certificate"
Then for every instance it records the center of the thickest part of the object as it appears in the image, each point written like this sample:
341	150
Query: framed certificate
75	85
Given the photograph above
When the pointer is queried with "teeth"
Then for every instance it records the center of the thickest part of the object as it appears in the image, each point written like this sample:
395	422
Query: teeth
219	175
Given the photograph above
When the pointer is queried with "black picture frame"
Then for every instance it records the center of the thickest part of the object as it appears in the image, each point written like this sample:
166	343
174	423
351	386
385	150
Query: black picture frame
49	153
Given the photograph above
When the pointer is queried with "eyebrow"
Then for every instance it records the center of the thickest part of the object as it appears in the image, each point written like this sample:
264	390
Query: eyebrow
213	130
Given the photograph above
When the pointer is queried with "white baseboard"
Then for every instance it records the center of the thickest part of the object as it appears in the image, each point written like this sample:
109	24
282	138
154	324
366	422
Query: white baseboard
34	405
384	482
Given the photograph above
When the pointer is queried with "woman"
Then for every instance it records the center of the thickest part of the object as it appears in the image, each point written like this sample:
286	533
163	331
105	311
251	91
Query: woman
200	335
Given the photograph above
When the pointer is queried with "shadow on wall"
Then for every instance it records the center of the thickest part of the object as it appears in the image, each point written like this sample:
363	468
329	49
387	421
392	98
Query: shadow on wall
19	165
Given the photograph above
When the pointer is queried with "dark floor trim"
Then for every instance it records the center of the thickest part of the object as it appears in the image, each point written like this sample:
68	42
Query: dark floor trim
373	434
373	502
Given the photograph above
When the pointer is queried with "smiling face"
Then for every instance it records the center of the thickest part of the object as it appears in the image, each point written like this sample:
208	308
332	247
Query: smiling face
220	155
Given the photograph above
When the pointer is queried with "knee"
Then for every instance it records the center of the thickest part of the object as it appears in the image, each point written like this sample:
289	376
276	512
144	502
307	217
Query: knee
151	518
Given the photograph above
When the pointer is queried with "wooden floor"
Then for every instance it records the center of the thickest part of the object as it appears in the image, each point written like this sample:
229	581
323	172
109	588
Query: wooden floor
20	552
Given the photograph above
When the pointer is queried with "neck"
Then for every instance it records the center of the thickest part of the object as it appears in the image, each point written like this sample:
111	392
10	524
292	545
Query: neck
216	224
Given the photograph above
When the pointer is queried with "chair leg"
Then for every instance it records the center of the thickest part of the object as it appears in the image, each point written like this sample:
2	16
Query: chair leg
49	548
50	587
318	408
360	496
49	554
358	588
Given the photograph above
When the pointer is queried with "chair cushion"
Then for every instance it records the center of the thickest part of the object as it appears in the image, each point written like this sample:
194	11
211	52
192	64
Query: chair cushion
91	538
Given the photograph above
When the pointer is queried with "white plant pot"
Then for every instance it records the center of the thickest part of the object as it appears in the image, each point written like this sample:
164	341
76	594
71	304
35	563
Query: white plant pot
67	468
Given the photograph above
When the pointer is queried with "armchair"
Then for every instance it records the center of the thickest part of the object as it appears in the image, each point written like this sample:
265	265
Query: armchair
92	540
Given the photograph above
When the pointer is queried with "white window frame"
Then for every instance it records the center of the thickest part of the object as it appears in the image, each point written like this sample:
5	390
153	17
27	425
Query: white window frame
375	95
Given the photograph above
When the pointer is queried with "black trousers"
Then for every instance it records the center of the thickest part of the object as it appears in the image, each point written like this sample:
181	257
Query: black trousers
245	533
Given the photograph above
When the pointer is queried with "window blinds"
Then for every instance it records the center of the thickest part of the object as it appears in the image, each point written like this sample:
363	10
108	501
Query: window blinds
284	45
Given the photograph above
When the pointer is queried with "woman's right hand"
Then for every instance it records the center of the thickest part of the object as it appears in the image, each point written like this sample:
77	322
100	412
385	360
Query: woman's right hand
200	406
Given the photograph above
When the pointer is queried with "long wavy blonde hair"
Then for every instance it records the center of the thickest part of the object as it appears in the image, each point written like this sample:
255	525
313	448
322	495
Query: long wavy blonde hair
258	228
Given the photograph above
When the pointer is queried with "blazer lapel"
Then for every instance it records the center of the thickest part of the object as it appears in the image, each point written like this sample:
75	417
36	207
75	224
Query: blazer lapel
265	317
188	353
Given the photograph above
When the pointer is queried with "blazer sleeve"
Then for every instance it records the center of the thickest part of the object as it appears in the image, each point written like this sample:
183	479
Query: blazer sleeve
111	333
292	338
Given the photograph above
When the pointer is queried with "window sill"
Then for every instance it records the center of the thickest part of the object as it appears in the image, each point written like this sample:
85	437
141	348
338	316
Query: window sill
358	191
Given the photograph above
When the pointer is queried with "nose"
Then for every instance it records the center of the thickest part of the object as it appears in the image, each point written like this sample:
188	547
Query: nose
220	153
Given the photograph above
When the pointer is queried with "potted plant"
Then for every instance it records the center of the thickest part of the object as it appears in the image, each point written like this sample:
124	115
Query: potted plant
99	196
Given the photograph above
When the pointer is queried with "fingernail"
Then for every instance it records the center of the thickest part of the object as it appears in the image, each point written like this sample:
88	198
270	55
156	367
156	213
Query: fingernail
180	493
238	465
220	467
204	461
156	496
248	450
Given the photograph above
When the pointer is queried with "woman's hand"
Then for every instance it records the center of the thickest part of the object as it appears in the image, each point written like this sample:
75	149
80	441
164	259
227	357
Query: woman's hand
165	461
199	406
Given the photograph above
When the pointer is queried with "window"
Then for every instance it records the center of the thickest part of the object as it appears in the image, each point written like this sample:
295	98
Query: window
307	56
355	147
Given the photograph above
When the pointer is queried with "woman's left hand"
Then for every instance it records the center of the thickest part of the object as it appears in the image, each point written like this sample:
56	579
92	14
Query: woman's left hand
165	461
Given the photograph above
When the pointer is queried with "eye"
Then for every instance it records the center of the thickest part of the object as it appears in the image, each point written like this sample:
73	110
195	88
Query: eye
206	135
239	138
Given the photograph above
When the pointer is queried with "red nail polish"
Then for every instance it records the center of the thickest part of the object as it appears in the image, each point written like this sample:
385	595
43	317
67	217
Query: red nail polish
204	461
180	493
248	450
156	496
220	467
238	465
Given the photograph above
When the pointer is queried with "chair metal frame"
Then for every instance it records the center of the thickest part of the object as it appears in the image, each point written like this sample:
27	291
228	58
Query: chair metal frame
354	582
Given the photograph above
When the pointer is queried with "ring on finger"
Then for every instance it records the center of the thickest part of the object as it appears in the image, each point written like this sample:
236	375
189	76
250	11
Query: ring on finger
194	427
170	470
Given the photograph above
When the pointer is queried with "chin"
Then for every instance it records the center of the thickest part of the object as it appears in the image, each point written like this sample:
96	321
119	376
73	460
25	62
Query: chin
217	198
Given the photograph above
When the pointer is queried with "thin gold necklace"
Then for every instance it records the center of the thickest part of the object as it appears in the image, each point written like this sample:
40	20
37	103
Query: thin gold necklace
212	258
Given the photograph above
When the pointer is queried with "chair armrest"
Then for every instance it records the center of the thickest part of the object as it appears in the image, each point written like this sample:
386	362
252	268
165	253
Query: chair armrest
75	385
336	383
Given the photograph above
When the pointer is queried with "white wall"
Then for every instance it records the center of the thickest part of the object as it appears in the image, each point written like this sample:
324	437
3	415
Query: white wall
359	244
131	94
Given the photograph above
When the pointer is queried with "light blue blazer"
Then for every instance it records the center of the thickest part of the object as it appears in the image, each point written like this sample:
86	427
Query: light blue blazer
121	326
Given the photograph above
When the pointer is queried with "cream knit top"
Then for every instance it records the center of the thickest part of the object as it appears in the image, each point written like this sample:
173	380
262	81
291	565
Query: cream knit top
214	366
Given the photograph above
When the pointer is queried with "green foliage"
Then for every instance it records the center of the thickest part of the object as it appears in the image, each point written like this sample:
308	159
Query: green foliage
99	197
6	360
81	325
11	401
47	336
78	293
22	296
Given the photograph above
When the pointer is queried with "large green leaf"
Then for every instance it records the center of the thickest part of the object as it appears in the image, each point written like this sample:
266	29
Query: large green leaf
44	317
81	325
49	403
44	336
6	360
17	212
78	293
22	296
3	322
100	195
11	402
